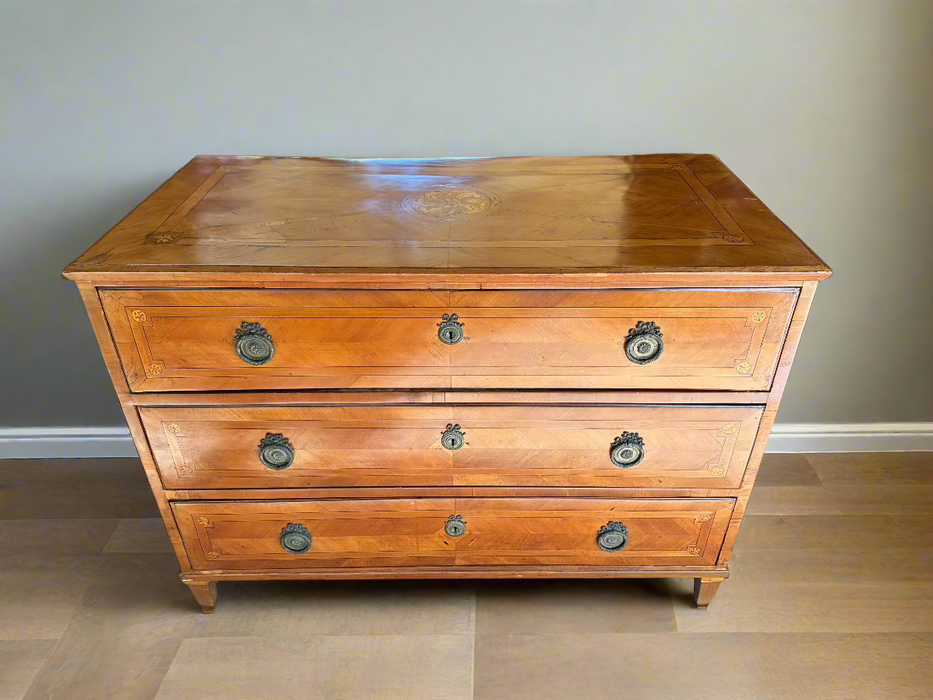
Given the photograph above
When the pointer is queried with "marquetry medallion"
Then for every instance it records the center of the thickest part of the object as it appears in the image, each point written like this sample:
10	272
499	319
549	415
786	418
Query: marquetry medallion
449	203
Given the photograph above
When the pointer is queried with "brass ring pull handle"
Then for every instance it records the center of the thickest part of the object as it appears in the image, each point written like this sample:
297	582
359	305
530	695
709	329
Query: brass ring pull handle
450	330
612	537
455	526
276	452
643	343
253	343
452	437
627	450
295	539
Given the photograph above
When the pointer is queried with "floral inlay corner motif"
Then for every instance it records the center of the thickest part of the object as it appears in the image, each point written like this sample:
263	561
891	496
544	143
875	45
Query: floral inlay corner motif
162	238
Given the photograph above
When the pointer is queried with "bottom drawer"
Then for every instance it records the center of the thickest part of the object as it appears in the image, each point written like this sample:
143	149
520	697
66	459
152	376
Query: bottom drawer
428	532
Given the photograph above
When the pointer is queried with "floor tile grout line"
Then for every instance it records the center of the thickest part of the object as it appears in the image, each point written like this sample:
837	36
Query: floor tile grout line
813	467
44	662
58	642
168	666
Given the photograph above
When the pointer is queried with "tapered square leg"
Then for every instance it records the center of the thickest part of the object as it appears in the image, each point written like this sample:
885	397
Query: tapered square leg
205	592
704	589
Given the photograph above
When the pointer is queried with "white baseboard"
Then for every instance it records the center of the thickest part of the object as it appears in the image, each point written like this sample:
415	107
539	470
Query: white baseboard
53	443
851	437
785	438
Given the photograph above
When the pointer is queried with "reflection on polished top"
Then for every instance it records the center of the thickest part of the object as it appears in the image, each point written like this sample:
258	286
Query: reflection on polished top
536	215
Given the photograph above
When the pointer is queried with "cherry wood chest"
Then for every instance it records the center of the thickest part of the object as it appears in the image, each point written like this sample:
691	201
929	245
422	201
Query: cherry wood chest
455	368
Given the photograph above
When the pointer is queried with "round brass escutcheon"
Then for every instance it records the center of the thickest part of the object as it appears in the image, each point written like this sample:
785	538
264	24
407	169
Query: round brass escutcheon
612	537
276	452
455	526
295	539
452	437
253	344
450	330
627	450
643	343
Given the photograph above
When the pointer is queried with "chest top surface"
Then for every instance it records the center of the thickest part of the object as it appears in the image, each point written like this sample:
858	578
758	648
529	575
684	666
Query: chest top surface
498	215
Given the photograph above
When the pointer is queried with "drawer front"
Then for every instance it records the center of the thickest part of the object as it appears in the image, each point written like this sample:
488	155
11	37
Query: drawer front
205	340
597	446
422	532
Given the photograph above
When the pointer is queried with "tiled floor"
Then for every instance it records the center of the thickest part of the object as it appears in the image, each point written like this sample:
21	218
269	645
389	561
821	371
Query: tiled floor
831	597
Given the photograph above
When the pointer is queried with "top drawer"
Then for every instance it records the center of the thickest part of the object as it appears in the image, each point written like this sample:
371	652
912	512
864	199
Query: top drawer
204	340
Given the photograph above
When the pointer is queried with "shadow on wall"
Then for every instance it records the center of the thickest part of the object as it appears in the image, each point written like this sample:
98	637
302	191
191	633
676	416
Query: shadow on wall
57	381
863	357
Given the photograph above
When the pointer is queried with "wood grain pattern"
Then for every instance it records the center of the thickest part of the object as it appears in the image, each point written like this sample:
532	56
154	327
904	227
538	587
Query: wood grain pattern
704	589
627	213
350	265
413	573
296	493
205	592
95	312
403	533
217	448
459	397
801	311
183	340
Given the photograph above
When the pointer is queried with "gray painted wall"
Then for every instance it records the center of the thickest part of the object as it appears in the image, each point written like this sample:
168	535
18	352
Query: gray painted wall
822	107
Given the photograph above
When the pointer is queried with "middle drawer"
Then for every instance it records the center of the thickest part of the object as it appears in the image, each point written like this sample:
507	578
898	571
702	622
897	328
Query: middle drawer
642	446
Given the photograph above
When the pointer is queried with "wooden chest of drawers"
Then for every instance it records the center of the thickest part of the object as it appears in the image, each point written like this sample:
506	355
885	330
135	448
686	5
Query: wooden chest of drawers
515	367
